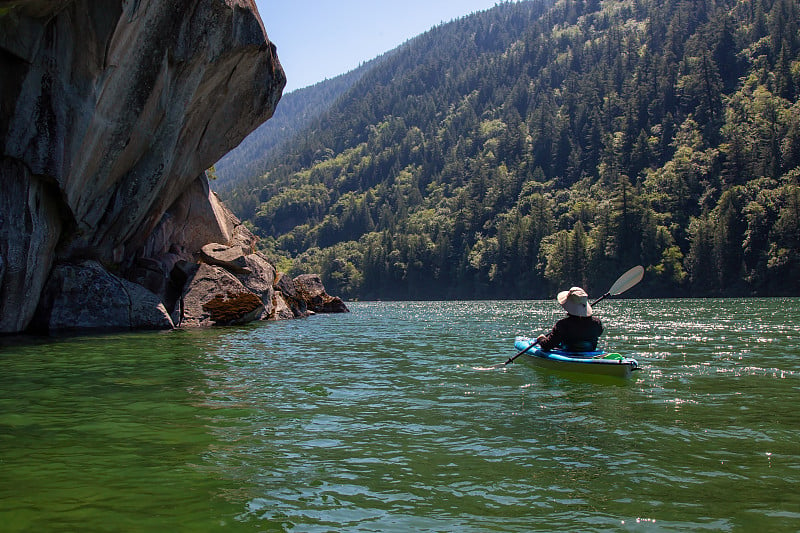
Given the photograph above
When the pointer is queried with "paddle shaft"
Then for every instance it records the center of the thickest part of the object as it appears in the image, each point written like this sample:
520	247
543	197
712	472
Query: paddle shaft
511	359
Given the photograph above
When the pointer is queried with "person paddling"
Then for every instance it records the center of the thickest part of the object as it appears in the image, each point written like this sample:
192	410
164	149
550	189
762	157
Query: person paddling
579	330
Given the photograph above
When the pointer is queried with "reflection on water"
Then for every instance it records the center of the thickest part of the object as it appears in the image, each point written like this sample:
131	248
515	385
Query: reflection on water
388	418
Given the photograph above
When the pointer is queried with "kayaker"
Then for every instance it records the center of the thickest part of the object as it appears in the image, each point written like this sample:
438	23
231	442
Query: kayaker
579	330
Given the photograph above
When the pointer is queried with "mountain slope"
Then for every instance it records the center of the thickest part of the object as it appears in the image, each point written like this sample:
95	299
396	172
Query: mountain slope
294	113
535	146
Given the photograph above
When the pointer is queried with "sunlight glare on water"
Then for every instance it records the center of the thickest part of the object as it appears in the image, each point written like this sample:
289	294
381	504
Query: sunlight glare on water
400	416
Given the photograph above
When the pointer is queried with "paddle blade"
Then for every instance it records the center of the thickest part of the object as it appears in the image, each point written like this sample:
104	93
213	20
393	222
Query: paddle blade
627	280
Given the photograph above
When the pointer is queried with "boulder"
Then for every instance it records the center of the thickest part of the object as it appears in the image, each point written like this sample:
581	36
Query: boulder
280	309
216	297
260	279
231	258
293	299
146	309
85	296
310	289
261	274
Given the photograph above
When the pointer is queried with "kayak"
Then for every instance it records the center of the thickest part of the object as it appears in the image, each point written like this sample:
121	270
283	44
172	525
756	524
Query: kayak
596	362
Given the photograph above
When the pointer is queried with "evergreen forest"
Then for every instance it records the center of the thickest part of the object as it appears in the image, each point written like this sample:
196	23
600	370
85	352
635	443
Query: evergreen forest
294	113
539	145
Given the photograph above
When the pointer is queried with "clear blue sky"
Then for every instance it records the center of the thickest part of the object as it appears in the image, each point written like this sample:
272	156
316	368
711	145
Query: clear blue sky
320	39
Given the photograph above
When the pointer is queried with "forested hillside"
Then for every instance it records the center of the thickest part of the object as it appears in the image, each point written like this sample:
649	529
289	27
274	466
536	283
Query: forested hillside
537	146
296	110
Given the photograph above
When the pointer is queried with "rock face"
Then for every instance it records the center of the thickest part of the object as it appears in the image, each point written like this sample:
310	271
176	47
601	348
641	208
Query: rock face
110	111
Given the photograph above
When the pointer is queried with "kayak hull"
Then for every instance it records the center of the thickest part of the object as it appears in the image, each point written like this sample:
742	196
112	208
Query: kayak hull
597	362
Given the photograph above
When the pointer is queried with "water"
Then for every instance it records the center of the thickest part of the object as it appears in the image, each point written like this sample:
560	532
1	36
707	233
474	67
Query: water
395	418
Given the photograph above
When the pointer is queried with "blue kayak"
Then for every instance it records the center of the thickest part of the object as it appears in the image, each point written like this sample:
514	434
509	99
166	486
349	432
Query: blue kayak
597	362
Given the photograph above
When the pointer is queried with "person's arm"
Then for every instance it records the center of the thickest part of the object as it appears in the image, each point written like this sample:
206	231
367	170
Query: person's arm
551	340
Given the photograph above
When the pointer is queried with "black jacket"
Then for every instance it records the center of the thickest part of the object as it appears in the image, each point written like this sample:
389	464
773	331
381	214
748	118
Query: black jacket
574	333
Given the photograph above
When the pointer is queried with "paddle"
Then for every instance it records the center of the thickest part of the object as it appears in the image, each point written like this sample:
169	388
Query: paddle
625	282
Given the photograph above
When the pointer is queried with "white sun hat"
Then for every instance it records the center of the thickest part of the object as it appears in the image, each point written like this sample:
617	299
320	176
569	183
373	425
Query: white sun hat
575	302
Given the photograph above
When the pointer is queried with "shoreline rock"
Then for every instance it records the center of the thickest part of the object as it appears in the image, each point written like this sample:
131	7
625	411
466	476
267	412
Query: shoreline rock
246	288
85	296
311	290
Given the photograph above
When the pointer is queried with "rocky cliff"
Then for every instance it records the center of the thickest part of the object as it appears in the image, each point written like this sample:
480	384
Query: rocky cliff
111	112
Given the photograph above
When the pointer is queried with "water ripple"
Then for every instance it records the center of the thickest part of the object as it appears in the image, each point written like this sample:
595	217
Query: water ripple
402	417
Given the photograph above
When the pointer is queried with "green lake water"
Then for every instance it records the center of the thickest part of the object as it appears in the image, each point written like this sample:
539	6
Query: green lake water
394	417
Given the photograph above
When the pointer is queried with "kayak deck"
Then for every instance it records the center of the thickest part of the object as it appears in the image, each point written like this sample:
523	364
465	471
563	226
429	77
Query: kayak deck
596	362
